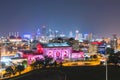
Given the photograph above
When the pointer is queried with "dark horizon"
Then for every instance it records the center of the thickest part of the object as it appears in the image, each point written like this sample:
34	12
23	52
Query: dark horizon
100	17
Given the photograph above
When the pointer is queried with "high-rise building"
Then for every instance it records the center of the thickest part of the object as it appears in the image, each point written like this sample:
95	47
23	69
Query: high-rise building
90	37
85	36
70	34
10	33
77	35
43	30
17	34
56	33
38	34
114	40
50	32
80	36
14	34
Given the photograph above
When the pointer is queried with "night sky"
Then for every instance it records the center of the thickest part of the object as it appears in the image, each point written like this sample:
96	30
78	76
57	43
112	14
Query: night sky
101	17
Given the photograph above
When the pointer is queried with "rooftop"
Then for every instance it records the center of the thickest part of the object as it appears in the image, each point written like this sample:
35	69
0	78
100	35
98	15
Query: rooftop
57	45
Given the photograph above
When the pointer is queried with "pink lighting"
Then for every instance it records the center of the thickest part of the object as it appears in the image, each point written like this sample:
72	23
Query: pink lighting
32	58
39	48
78	55
50	53
65	53
58	52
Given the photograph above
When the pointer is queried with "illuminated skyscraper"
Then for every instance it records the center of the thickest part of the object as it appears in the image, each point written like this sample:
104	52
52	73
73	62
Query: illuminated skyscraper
43	31
70	34
50	32
114	44
56	33
80	37
16	34
10	34
90	36
77	35
85	36
38	34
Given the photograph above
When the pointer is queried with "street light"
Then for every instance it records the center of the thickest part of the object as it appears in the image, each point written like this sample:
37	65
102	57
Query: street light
106	67
106	71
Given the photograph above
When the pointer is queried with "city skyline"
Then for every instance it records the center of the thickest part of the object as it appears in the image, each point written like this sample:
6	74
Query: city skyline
26	16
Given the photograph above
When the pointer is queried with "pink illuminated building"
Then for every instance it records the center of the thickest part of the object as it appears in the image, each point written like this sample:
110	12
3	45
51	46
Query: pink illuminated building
57	51
77	55
62	51
29	55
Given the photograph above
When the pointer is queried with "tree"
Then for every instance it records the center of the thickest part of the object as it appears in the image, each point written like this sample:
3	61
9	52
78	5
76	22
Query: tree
109	51
47	60
75	46
70	41
95	56
10	70
55	63
60	40
24	63
20	68
39	63
33	65
114	58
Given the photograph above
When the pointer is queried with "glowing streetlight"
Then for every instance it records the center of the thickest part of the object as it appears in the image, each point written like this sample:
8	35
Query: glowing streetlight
106	68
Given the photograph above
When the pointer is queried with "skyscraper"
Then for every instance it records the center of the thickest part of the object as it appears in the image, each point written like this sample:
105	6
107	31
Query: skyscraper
85	36
77	35
43	30
90	37
70	34
38	34
115	41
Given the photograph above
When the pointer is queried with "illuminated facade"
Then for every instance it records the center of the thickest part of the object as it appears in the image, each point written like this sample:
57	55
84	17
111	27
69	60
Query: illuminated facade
43	31
77	35
57	51
62	51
